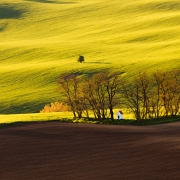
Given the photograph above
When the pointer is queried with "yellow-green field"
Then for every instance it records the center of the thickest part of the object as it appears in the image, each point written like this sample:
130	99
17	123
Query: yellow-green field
36	117
40	117
41	39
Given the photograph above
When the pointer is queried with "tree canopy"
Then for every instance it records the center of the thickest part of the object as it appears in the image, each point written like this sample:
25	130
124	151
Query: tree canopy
81	59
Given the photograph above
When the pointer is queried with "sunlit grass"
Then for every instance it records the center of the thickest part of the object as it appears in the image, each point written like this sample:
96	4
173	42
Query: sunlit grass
34	117
68	118
39	117
42	39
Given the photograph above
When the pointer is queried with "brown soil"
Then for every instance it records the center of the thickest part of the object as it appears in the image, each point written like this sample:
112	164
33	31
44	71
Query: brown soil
63	151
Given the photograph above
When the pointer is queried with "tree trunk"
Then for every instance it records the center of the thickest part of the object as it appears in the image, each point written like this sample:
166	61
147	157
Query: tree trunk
111	112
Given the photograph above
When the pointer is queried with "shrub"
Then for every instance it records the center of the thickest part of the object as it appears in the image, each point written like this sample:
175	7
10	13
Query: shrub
55	107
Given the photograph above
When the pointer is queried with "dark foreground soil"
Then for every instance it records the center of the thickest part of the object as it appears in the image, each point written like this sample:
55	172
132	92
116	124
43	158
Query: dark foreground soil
63	151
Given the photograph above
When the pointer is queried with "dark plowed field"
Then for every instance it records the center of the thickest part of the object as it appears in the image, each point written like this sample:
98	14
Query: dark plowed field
63	151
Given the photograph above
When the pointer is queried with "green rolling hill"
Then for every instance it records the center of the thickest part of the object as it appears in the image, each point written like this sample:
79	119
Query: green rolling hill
41	39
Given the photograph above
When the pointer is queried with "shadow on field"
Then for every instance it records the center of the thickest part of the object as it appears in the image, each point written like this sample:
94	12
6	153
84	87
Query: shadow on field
52	1
10	12
98	62
3	26
162	6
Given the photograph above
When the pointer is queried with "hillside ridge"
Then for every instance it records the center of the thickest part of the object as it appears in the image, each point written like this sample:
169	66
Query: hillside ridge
41	39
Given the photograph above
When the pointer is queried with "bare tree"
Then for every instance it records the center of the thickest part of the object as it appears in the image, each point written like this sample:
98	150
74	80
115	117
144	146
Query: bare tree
143	81
113	87
153	96
99	92
157	96
132	95
95	93
136	95
69	85
172	91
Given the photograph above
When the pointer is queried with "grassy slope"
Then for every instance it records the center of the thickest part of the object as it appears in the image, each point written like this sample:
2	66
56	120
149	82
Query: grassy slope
41	39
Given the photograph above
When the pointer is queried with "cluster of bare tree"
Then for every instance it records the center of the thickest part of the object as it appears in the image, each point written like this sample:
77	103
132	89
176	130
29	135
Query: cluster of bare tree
96	93
147	95
153	95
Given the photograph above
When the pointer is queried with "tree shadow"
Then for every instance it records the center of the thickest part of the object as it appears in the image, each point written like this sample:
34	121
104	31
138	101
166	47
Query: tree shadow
3	26
10	12
51	1
98	62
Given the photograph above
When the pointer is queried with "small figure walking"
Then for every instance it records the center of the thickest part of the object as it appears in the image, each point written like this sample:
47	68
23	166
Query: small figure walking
119	115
